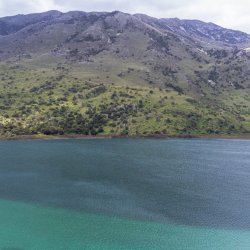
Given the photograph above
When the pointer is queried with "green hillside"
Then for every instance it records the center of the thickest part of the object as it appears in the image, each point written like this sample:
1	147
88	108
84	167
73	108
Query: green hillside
117	74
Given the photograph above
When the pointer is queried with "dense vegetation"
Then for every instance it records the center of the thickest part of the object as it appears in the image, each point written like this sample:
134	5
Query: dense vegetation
47	101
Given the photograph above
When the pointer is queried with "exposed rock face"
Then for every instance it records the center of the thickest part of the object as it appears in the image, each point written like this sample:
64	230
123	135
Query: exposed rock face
179	50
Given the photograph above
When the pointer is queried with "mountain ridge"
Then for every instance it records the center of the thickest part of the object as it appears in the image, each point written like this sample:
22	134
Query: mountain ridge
79	60
59	13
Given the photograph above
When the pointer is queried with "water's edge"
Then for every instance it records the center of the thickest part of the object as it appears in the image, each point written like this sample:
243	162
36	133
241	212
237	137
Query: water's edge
156	136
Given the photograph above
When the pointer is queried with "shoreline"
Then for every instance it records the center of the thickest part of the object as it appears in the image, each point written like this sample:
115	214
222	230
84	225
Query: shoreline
78	136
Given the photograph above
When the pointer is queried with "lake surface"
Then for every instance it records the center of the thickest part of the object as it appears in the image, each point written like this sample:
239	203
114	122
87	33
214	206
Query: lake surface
125	194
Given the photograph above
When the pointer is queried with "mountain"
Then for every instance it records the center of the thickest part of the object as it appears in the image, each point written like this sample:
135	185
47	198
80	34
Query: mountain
116	73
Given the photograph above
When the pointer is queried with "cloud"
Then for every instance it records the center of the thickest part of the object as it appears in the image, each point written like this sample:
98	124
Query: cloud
13	7
228	13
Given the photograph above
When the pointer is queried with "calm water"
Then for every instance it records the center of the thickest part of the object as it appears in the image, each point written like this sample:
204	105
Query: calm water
125	194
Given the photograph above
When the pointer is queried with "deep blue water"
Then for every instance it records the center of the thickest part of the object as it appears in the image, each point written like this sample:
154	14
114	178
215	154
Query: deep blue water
200	182
193	182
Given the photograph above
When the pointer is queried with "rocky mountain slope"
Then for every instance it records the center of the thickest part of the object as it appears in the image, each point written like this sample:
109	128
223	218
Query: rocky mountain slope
120	73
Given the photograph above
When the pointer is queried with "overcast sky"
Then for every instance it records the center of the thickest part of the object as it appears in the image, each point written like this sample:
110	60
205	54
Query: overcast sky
227	13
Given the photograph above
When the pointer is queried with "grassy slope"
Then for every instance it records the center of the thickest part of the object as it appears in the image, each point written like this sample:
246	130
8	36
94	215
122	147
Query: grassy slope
49	95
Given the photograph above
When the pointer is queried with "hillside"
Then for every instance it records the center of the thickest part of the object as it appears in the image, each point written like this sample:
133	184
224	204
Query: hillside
116	73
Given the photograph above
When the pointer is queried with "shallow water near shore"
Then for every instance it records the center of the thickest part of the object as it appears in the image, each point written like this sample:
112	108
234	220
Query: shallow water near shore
125	194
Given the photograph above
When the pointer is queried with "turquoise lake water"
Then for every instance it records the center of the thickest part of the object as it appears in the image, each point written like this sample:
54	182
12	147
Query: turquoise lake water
125	194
